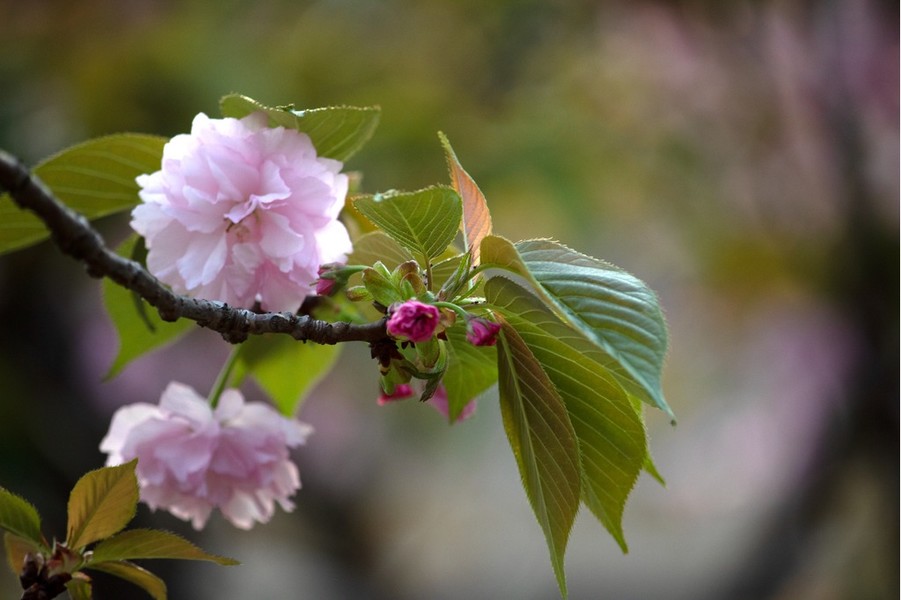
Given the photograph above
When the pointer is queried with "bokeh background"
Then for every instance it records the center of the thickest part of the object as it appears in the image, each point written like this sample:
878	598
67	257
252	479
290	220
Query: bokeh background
741	157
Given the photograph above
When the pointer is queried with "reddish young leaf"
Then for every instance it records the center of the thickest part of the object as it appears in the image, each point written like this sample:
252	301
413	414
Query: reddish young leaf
476	222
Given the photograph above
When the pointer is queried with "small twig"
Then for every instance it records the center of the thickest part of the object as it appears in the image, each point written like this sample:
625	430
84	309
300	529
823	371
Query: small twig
75	236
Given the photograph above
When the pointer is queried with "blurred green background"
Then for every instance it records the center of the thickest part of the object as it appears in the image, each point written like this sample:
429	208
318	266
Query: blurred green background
741	157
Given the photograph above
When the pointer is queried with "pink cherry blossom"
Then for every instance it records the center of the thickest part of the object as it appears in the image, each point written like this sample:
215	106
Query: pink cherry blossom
193	458
440	402
414	321
241	212
482	332
402	391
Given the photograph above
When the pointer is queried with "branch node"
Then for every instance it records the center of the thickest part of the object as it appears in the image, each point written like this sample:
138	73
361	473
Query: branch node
169	312
235	337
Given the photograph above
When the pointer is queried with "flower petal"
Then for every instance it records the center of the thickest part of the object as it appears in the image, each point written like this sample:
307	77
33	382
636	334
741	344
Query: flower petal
192	459
233	183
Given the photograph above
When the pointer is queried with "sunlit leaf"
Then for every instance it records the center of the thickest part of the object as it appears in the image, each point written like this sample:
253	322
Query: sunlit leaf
130	572
424	222
102	503
470	370
610	432
285	368
378	245
446	268
337	131
19	517
95	178
476	223
151	543
543	442
613	309
357	225
133	325
381	286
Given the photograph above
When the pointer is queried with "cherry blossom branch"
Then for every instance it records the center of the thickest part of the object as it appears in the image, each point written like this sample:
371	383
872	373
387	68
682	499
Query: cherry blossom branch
75	236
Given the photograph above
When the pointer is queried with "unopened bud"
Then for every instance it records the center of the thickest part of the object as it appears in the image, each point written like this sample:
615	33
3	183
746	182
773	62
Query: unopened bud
413	321
407	274
482	332
31	569
358	293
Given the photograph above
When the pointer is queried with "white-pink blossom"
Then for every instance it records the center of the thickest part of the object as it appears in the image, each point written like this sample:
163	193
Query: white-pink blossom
193	458
242	212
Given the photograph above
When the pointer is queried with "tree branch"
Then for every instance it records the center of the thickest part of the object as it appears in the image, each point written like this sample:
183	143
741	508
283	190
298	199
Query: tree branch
75	236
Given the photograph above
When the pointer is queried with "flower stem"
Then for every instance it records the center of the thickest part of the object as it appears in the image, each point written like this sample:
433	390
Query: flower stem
453	307
428	274
224	375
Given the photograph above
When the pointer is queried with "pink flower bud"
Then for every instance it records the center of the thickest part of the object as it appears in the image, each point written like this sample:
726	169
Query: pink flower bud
440	402
482	332
414	321
326	285
193	458
402	391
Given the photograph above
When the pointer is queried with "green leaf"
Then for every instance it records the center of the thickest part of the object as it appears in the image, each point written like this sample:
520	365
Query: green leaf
609	429
543	442
470	370
476	223
95	178
337	131
424	222
649	467
500	252
19	517
130	572
102	503
79	589
17	548
381	286
613	309
139	330
651	470
456	265
286	369
151	543
375	246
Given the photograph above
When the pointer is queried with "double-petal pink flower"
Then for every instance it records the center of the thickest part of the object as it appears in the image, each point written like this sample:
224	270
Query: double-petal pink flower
242	212
193	458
